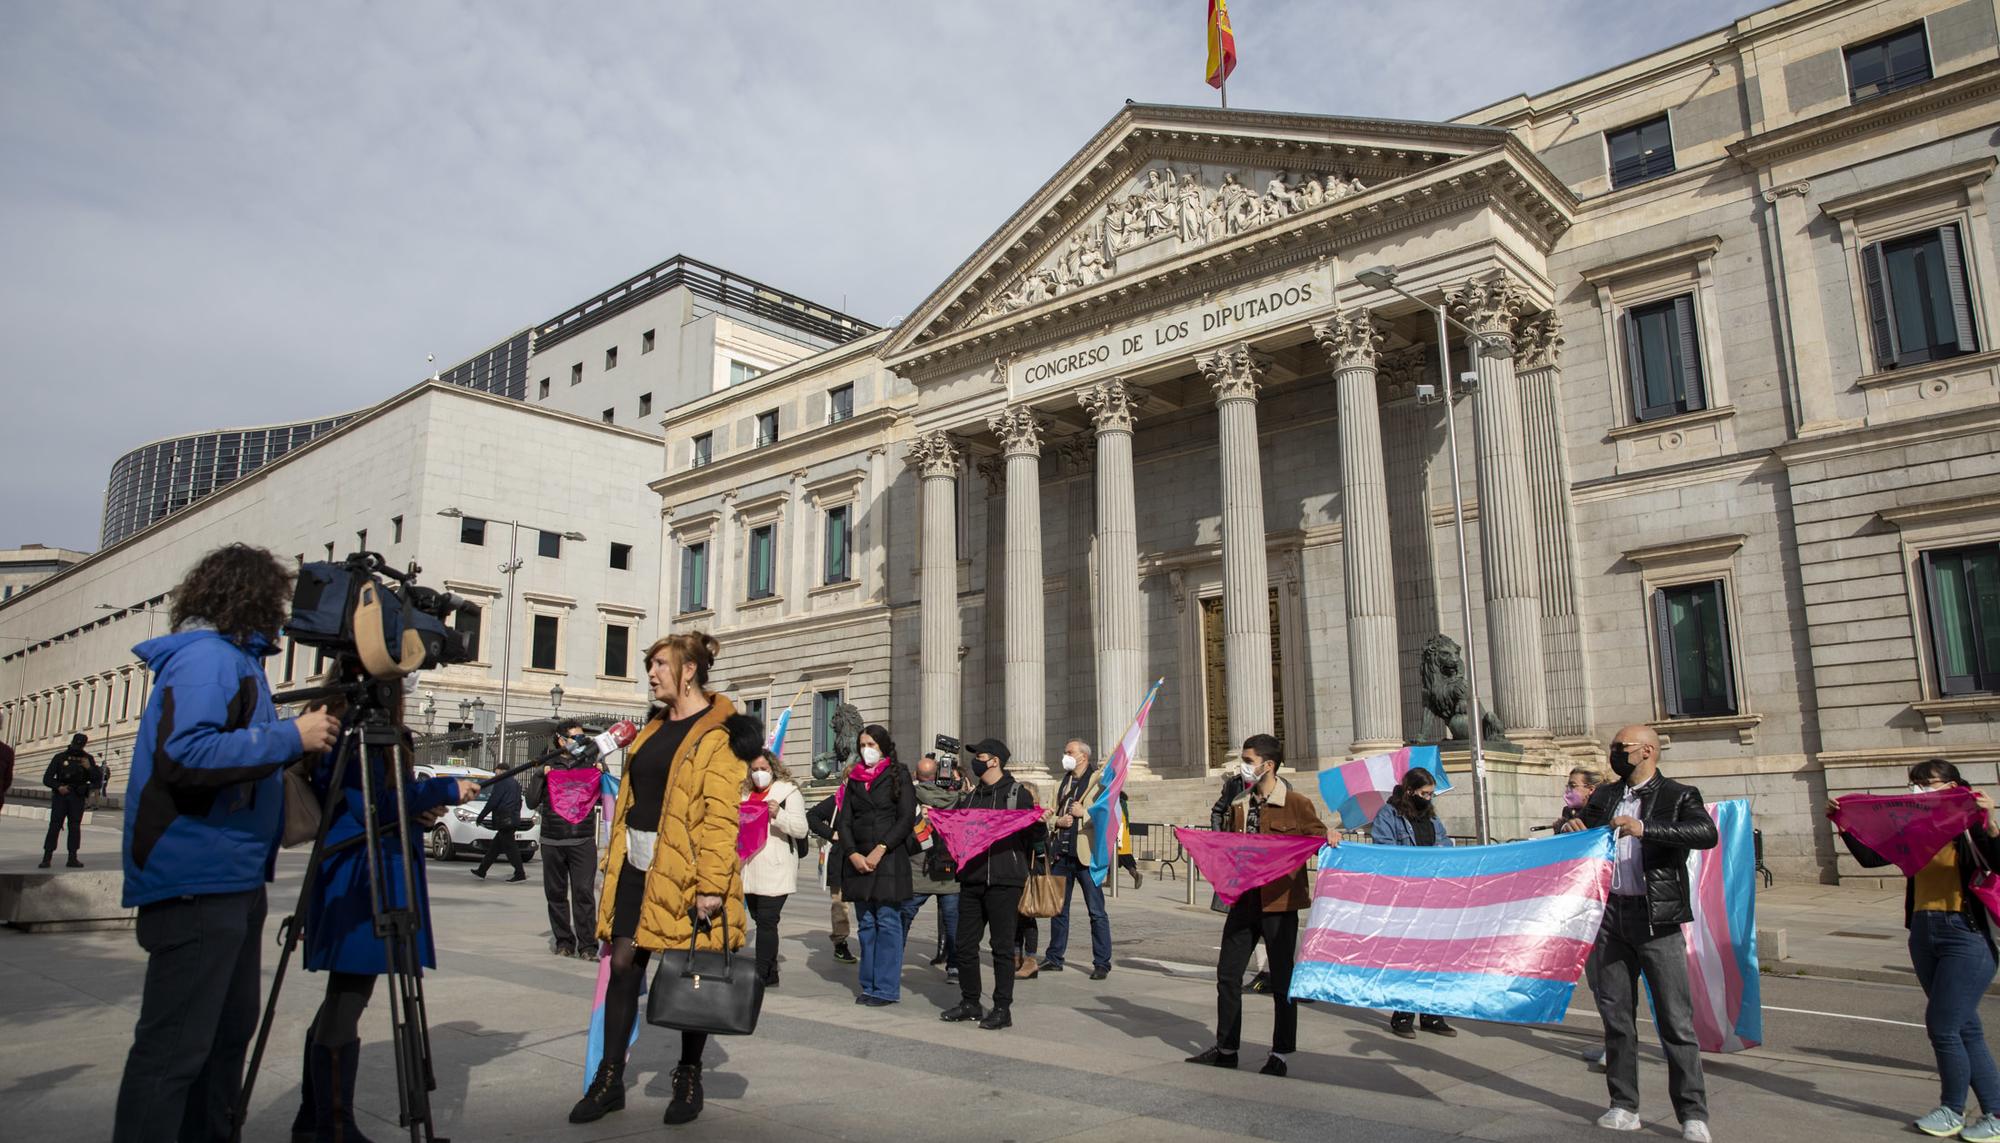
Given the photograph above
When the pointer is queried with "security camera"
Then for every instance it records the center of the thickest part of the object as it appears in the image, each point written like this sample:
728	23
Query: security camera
1426	393
1468	382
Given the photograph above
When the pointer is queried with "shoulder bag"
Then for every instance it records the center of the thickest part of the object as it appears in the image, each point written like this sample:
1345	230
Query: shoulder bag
1042	896
302	805
718	993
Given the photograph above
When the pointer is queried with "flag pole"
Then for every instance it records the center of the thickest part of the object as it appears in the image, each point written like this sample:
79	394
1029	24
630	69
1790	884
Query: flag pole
1224	88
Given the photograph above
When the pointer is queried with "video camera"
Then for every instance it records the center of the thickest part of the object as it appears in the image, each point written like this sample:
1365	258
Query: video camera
363	609
947	749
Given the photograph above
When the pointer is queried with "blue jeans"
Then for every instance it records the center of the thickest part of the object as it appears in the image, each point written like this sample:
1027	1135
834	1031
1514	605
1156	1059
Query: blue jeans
947	921
1093	903
1955	964
880	926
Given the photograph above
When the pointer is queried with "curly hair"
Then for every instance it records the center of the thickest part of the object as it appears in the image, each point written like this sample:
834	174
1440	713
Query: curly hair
238	589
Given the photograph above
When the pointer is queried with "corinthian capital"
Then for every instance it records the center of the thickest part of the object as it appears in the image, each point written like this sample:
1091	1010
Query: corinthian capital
1019	430
1234	371
1350	339
1538	342
1113	405
1489	306
935	454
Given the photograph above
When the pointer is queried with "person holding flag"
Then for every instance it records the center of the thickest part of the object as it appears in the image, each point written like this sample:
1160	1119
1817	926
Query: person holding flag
1072	849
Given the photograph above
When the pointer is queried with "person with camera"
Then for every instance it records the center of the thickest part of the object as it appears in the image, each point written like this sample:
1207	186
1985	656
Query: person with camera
1070	848
933	875
672	879
872	823
73	775
989	890
569	848
204	812
503	816
772	873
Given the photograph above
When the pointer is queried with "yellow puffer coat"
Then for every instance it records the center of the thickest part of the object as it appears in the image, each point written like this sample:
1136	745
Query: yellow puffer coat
696	855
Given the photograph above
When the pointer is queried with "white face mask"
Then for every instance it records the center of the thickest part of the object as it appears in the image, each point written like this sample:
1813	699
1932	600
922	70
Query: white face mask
1915	788
1248	770
1069	763
760	779
870	755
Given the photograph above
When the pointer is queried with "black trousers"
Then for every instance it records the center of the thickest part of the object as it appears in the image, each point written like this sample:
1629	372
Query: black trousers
994	908
1247	924
568	873
65	808
503	839
764	912
196	1016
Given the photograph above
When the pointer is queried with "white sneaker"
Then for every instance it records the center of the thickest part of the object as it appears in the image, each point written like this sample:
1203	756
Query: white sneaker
1619	1119
1696	1131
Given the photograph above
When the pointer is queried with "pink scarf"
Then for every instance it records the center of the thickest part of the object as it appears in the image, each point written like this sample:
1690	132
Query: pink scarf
573	792
865	775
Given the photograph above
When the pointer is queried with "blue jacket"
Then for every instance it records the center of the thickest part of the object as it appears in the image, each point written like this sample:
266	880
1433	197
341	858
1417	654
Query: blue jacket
204	803
1392	828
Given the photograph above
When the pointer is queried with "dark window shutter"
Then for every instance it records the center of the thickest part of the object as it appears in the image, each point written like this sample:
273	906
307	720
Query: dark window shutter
1728	655
1693	395
1875	282
1948	684
1663	636
1961	301
1635	367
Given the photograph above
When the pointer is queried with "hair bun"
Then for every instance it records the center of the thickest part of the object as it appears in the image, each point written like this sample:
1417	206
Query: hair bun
746	736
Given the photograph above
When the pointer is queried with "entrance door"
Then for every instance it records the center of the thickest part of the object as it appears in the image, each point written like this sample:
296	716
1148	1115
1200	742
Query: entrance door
1215	671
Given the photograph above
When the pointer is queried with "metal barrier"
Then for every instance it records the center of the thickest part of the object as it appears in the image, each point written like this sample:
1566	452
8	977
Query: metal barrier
1155	842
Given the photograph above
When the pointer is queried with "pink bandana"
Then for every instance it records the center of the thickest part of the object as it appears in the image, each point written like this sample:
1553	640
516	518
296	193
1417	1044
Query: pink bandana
1908	829
753	828
969	833
1236	863
573	792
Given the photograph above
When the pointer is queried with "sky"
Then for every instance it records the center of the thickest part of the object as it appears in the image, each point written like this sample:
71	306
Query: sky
217	213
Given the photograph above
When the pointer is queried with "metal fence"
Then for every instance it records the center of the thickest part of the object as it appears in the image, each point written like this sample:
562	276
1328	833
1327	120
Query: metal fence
523	741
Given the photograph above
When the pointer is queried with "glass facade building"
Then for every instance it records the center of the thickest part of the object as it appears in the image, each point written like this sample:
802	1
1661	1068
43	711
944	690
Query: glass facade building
158	479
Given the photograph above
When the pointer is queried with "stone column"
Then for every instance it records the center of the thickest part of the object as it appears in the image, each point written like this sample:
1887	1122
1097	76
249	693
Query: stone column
1121	668
1235	373
1805	341
1409	441
1350	341
936	459
1506	522
1537	357
1026	674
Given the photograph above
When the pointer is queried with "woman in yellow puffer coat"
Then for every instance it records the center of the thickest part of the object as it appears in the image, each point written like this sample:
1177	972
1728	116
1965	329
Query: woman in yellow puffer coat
672	859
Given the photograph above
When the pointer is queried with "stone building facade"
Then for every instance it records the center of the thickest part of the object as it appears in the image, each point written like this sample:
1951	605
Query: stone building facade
1729	437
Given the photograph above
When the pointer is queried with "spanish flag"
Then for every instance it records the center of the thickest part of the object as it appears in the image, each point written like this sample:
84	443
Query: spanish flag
1221	43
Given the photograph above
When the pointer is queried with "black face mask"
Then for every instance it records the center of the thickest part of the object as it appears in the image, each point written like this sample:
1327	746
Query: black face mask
1623	763
980	766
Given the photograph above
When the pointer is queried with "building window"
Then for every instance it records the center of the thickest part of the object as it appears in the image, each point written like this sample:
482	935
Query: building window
576	374
825	705
1691	628
767	428
1663	359
621	557
839	544
291	659
1962	592
694	578
646	342
610	415
472	530
617	651
1640	153
1919	299
645	404
542	652
763	561
467	622
611	358
395	529
704	450
840	404
741	371
755	709
542	389
548	545
1895	61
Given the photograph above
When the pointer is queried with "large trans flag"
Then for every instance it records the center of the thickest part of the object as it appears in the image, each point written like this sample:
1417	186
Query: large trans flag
1722	941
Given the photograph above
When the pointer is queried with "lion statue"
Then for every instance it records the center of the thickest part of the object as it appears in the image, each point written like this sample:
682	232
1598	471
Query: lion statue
845	742
1445	695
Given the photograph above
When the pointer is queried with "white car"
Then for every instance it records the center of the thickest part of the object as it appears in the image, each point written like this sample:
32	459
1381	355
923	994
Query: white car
456	833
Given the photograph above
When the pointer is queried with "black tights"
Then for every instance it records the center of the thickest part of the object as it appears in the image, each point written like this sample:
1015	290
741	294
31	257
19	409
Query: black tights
339	1020
621	1006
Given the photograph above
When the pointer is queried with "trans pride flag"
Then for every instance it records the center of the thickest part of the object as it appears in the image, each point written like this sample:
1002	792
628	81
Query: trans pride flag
1357	790
1722	941
1106	813
1491	932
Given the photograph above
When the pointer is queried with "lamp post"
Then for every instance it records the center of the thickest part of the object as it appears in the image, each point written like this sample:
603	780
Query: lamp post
555	701
1384	278
507	569
430	712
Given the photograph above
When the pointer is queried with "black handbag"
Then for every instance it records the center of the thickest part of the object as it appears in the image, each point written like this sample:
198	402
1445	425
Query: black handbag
718	993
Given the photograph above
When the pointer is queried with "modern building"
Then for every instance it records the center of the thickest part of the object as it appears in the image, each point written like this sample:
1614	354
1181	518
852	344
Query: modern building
1726	403
23	567
164	476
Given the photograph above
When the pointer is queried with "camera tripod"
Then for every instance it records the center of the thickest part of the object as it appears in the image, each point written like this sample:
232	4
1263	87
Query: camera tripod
373	740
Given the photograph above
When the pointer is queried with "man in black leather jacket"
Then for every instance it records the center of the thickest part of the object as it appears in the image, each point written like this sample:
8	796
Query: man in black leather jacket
1657	821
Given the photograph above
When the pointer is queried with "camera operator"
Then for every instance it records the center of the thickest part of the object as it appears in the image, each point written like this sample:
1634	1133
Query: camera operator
204	810
340	936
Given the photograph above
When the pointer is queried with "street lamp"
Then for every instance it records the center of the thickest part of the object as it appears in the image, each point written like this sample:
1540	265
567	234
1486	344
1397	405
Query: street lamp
430	711
555	701
507	569
1384	278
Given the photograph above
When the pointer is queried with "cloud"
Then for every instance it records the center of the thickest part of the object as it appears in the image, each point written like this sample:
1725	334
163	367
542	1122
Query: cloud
237	213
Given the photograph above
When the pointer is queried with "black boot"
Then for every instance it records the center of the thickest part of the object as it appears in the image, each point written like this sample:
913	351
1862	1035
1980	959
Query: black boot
605	1095
686	1104
302	1123
46	858
332	1074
